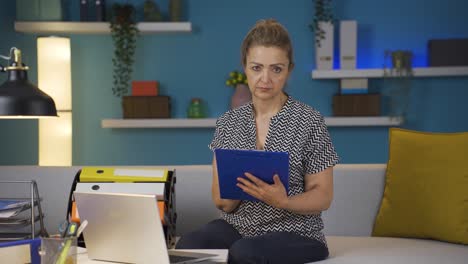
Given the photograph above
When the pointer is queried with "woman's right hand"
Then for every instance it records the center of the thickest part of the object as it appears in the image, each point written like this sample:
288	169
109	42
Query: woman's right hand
227	205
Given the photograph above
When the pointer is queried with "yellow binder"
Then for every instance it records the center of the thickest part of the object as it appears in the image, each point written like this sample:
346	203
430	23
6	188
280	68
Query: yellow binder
103	174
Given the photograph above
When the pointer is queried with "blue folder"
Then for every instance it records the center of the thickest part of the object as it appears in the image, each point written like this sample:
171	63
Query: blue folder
34	244
232	164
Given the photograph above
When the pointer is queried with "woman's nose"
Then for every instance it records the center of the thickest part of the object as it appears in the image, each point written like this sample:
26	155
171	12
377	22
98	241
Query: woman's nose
265	76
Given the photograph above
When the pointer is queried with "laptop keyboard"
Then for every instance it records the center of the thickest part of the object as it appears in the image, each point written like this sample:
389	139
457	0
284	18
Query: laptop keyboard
176	259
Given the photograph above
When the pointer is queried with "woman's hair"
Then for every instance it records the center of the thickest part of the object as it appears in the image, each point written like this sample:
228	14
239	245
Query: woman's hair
268	33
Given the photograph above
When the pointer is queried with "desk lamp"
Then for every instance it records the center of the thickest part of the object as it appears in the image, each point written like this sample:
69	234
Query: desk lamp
18	97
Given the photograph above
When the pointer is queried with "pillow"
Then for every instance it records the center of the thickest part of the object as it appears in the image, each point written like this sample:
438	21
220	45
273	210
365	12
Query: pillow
426	187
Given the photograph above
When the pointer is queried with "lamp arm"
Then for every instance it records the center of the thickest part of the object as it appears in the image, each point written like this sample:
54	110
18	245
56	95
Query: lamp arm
16	64
3	68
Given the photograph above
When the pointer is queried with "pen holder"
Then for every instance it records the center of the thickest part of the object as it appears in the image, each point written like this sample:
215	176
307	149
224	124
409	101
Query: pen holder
58	250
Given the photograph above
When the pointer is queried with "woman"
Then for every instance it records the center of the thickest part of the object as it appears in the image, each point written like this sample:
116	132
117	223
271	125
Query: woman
283	227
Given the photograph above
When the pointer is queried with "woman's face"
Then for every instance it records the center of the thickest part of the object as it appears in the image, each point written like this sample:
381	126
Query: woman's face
267	70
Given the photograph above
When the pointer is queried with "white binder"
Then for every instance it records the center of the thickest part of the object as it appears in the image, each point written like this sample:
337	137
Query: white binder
150	188
348	44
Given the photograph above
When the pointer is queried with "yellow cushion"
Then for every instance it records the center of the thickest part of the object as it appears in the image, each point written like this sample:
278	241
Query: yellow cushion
426	187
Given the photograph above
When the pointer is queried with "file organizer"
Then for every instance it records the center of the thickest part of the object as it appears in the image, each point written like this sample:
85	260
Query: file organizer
120	180
18	221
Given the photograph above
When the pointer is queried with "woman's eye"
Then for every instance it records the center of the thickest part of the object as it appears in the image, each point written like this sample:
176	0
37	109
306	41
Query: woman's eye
277	69
256	68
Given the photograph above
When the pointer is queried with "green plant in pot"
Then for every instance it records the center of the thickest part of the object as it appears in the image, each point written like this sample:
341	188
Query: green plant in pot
323	14
124	35
397	80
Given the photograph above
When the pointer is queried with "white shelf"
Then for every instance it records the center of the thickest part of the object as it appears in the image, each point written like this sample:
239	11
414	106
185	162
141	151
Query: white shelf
363	121
379	73
97	27
159	123
211	122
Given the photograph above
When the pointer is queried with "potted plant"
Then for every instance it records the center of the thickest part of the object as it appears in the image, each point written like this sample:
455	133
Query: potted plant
323	26
241	95
397	79
124	35
323	14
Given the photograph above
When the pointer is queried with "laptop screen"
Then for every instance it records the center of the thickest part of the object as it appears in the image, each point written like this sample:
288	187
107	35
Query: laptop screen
126	228
122	227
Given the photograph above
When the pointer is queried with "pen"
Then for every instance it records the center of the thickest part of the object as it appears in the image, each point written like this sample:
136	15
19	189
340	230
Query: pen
71	231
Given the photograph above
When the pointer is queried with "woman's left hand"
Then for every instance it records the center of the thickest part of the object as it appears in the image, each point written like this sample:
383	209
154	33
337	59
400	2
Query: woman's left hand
272	194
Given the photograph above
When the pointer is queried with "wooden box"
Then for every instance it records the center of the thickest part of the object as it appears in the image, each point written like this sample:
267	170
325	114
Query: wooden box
146	107
356	105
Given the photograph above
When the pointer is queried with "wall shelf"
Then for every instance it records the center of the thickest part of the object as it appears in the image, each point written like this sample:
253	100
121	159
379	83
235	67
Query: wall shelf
97	27
379	73
211	122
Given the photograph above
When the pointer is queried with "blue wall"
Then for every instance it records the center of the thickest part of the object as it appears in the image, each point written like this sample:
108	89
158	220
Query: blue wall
195	65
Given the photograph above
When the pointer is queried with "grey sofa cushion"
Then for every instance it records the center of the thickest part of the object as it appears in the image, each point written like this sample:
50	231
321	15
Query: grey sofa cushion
386	250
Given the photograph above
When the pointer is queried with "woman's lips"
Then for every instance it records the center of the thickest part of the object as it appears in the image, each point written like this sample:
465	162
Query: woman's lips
263	88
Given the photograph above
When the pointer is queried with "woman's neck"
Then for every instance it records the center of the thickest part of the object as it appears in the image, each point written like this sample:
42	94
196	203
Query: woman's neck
269	108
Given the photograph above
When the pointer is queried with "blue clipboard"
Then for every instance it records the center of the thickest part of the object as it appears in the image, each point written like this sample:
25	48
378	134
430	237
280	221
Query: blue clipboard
34	246
262	164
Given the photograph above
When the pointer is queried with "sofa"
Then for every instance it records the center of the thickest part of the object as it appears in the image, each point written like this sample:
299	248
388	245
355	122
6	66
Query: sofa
358	190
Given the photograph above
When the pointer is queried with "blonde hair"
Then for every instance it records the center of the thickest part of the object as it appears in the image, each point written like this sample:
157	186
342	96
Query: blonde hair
268	33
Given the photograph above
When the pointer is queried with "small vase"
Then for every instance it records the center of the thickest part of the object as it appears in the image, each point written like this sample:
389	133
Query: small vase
175	10
241	96
196	109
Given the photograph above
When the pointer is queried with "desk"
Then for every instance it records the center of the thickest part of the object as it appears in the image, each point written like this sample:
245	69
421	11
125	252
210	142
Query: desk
221	256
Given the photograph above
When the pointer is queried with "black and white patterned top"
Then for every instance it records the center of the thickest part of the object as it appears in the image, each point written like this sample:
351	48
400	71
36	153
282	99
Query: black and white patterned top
297	129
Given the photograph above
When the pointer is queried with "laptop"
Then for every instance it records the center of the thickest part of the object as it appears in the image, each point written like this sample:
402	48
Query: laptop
127	228
233	163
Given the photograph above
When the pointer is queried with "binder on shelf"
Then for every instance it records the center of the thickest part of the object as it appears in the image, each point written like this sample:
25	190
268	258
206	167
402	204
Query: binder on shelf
324	51
348	44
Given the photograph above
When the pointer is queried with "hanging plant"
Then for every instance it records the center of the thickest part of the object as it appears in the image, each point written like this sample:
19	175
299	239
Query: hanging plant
323	13
124	35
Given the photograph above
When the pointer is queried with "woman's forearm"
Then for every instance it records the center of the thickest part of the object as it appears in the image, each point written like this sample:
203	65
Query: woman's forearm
317	197
227	205
312	201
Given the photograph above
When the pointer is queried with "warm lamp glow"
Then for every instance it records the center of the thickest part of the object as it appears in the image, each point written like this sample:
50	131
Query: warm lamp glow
54	70
55	144
54	74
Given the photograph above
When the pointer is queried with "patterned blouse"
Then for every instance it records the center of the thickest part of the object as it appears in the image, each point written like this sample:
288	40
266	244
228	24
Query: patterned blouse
297	129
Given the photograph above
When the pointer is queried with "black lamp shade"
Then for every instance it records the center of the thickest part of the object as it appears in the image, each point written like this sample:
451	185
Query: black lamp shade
19	97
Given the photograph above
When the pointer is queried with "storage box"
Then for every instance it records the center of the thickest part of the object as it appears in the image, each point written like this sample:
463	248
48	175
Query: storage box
145	88
146	107
39	10
448	52
356	105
